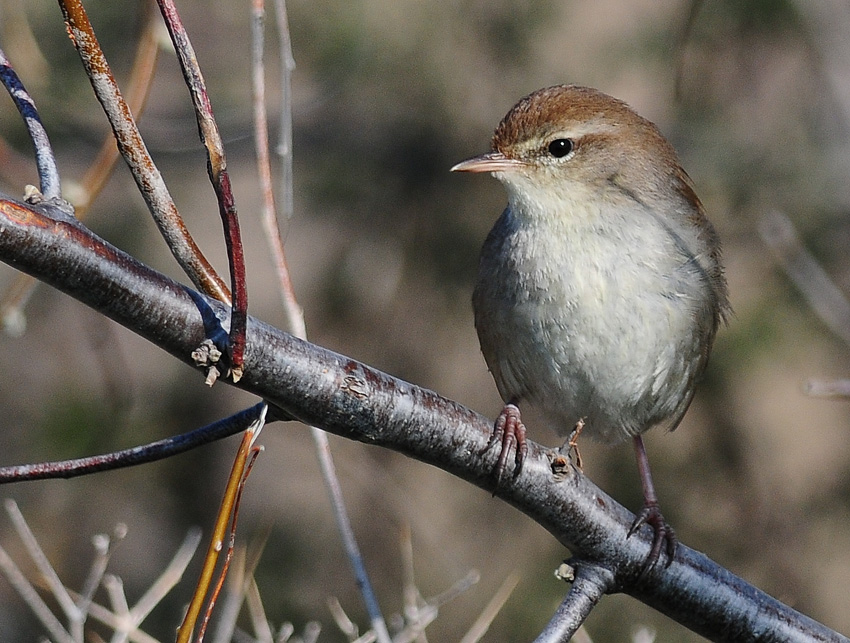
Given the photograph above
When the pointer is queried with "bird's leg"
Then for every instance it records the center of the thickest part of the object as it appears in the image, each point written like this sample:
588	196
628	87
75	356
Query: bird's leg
651	513
509	431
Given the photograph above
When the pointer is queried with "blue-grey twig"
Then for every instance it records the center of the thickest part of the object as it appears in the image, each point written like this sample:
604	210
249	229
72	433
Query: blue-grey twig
48	173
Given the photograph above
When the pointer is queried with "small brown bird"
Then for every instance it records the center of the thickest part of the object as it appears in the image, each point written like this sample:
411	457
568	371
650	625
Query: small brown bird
600	288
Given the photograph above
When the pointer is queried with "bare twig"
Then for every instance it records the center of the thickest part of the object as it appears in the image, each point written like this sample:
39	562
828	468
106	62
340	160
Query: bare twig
681	44
136	455
231	545
491	610
260	623
118	604
30	596
284	146
169	577
349	541
825	298
228	503
135	153
16	296
75	616
269	218
294	313
48	173
217	168
413	600
103	551
128	624
241	576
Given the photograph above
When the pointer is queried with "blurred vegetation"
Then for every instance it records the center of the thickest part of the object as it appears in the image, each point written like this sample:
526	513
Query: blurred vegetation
383	247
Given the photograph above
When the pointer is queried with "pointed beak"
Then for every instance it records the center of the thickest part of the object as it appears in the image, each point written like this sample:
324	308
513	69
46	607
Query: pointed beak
492	162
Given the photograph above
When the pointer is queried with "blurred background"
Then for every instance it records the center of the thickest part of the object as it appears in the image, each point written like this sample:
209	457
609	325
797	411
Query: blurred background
388	95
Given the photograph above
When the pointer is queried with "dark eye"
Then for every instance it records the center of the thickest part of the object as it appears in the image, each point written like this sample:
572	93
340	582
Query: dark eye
560	147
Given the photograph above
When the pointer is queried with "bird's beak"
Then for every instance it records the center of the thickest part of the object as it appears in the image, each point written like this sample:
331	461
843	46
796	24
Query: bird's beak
492	162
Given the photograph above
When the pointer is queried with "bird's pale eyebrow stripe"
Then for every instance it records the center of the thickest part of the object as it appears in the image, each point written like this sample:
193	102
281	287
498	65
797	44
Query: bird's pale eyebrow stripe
584	130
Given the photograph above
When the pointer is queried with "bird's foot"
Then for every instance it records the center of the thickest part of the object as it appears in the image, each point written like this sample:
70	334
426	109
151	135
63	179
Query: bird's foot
509	432
662	535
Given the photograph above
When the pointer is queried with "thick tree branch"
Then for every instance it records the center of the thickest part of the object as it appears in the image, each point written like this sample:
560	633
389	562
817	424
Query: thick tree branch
351	399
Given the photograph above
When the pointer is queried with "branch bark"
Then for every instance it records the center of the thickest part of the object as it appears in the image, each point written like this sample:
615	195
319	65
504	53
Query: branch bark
351	399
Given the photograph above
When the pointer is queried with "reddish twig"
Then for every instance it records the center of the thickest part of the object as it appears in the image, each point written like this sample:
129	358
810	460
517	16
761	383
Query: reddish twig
217	168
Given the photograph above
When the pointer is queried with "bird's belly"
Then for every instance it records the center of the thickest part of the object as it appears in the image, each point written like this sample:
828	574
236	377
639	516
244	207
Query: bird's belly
616	353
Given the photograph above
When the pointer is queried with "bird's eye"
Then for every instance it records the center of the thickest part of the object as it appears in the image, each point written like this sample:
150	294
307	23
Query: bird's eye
560	147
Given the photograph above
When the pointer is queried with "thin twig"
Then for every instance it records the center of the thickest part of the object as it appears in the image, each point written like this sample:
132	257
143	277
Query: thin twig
48	173
234	521
103	551
284	146
245	564
217	169
825	298
228	502
492	609
262	630
130	622
680	46
14	299
30	596
118	601
349	541
66	603
411	596
147	176
169	577
131	457
294	313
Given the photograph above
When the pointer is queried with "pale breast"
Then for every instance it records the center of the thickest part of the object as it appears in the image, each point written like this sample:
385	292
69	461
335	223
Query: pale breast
602	323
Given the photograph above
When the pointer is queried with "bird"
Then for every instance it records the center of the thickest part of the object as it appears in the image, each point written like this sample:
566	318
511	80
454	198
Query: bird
600	288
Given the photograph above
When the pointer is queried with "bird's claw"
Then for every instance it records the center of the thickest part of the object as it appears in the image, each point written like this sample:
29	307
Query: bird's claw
661	533
509	432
